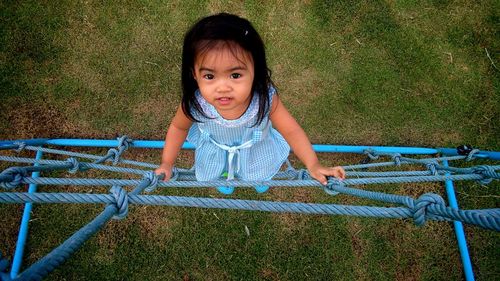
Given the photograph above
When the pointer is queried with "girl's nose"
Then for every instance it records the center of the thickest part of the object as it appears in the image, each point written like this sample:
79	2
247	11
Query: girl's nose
223	86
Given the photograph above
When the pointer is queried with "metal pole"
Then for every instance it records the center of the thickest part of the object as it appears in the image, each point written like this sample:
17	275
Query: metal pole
23	229
186	145
459	230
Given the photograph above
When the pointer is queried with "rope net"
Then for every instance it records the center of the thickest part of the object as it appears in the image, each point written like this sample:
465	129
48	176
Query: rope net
428	206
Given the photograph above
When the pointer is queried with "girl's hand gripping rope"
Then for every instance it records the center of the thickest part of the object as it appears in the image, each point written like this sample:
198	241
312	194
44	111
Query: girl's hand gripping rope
164	170
320	173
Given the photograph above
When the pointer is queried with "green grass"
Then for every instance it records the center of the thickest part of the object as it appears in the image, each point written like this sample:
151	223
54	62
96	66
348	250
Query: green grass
408	73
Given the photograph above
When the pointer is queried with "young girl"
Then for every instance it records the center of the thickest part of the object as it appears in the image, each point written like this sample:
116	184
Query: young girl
230	110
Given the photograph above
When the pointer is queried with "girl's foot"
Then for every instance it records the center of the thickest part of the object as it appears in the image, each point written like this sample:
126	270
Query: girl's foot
261	188
225	189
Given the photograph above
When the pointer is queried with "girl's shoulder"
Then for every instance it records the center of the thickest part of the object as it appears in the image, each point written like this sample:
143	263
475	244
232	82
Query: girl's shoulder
271	92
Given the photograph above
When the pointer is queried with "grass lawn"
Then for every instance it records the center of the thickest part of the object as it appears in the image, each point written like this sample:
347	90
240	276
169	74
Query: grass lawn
399	73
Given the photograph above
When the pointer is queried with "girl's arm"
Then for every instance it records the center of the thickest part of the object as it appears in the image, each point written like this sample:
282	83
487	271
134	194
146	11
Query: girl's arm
176	135
283	121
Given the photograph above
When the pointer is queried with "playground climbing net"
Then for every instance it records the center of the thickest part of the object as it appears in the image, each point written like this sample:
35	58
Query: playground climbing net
429	206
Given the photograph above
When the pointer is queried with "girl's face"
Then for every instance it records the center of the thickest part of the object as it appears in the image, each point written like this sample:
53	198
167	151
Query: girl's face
225	76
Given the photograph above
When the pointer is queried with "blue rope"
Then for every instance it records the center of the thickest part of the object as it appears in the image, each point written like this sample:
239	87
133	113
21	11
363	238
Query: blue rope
84	165
88	156
12	178
401	162
427	206
340	187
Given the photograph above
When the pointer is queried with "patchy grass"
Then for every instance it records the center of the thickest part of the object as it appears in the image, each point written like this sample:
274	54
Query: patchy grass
410	73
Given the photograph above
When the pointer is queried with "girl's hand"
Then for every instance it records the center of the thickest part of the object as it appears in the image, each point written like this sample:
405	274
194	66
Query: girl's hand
320	173
166	170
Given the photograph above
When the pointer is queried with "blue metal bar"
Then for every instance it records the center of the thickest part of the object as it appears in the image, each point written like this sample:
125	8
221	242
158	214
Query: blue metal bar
493	155
316	147
111	143
23	229
379	149
9	144
459	231
33	142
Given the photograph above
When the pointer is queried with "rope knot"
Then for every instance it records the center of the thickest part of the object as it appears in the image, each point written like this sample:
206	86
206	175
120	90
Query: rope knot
121	202
303	174
112	153
115	154
432	168
75	165
397	159
487	172
153	180
422	204
333	185
124	142
13	174
175	174
371	154
472	154
22	146
467	150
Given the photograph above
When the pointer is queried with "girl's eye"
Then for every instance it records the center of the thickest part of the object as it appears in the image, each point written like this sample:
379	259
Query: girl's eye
208	76
235	75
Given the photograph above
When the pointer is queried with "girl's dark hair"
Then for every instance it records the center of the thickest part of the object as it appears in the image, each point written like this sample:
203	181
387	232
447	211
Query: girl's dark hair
232	31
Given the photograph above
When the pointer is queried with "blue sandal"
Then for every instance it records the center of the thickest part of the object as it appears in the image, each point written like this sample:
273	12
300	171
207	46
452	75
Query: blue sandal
225	189
261	188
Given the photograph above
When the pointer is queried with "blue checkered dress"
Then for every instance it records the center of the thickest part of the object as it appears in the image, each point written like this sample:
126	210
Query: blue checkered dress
236	146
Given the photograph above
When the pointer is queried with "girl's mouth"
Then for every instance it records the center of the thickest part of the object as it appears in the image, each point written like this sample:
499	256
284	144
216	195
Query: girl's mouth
224	100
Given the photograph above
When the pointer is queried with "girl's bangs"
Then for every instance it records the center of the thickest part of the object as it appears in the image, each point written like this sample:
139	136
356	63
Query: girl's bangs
204	46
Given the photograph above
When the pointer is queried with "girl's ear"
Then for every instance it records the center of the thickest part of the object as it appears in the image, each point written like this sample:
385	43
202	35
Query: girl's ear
194	74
